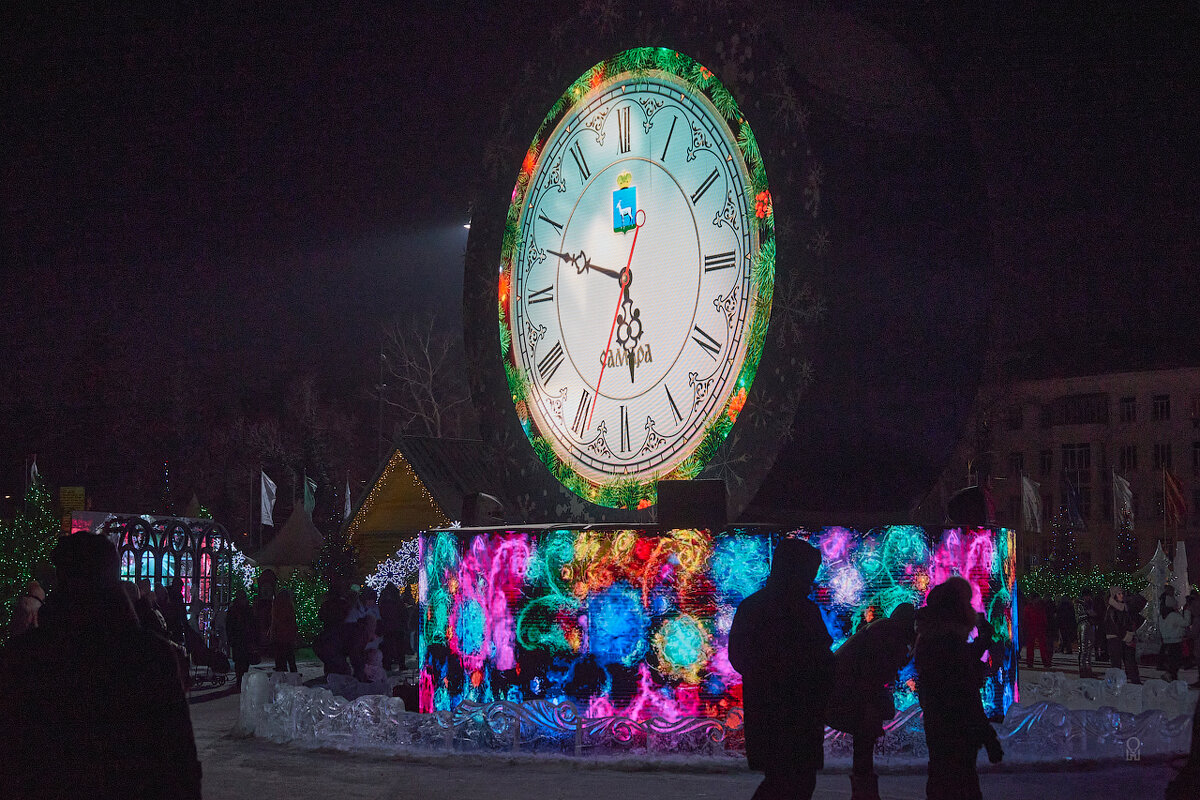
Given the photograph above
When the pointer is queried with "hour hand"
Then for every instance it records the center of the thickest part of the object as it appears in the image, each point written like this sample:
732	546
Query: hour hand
586	265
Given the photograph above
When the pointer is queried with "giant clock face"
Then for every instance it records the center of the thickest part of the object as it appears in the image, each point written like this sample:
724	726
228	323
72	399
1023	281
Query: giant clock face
636	285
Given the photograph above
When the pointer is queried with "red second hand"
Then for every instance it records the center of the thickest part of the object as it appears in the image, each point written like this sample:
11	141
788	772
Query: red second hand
620	298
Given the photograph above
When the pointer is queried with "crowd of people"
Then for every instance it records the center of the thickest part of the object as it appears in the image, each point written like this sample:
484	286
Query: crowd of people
94	673
364	634
793	685
1102	628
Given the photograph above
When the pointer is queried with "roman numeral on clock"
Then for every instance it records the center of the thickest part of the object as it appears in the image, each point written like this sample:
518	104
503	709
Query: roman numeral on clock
557	226
581	413
674	408
696	195
668	142
719	261
542	295
577	154
549	363
623	128
625	430
709	344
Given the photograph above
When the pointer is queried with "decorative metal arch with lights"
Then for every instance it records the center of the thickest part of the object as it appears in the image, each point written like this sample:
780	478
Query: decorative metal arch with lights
161	549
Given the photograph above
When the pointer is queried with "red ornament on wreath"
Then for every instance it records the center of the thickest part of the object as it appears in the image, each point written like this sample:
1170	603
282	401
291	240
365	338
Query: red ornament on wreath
762	205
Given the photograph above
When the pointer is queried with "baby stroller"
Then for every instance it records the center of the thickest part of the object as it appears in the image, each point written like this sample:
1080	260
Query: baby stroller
209	667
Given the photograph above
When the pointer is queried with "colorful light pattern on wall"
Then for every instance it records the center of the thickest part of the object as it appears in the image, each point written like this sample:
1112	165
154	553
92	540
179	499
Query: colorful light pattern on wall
636	623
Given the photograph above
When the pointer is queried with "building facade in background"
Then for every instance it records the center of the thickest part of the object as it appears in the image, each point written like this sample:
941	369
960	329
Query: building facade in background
1069	435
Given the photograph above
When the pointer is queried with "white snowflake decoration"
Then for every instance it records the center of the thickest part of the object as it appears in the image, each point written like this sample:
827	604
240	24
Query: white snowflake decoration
242	565
400	569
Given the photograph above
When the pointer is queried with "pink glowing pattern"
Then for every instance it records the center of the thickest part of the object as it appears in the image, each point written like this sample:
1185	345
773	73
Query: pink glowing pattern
636	623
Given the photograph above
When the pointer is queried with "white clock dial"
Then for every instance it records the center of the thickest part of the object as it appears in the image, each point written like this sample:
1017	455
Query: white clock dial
631	291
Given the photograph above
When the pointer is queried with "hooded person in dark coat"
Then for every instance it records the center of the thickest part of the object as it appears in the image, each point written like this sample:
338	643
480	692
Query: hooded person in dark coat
780	645
239	631
861	701
950	673
92	704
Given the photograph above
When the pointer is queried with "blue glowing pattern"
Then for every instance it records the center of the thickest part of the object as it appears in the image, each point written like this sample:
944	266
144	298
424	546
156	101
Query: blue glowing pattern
636	623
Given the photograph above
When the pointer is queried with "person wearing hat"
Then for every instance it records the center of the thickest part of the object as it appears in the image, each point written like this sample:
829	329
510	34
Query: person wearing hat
92	704
780	645
861	701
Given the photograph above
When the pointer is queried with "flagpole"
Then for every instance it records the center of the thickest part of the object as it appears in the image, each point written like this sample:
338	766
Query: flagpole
256	497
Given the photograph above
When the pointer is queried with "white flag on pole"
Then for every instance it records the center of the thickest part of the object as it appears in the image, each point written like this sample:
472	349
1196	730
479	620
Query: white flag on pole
1031	505
1122	502
310	494
268	500
346	510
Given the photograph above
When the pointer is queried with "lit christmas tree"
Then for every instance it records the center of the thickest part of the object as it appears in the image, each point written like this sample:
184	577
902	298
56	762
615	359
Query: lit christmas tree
25	543
1062	543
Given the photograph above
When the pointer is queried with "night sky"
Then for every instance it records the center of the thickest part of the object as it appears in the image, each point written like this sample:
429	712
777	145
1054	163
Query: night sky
232	198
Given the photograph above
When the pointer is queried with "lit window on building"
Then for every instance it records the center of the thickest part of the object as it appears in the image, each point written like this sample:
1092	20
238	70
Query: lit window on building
1162	456
1128	409
1160	409
1128	458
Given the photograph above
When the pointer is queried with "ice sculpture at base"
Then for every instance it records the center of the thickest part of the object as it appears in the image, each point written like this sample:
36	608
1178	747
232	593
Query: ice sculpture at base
634	624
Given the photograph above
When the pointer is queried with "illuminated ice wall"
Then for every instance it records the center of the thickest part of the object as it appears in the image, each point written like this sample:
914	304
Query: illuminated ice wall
636	623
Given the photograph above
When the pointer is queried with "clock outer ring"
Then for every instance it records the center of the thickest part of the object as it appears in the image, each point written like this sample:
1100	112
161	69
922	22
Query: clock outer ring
754	236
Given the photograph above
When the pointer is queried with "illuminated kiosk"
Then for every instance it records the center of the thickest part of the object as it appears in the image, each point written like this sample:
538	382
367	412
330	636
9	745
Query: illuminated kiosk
631	316
631	626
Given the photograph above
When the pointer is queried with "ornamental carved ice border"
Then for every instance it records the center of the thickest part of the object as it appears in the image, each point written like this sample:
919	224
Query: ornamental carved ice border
537	719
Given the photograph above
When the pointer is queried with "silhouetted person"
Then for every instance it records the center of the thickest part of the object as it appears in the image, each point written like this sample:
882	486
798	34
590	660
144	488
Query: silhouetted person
1173	626
1064	616
779	644
391	627
174	612
1086	629
261	611
950	674
861	700
148	613
1035	631
239	630
331	645
284	632
92	704
355	631
1120	625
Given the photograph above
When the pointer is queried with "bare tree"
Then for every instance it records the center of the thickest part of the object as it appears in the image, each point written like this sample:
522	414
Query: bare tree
424	388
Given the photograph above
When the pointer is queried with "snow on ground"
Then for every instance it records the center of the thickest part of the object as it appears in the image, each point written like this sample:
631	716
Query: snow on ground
254	768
